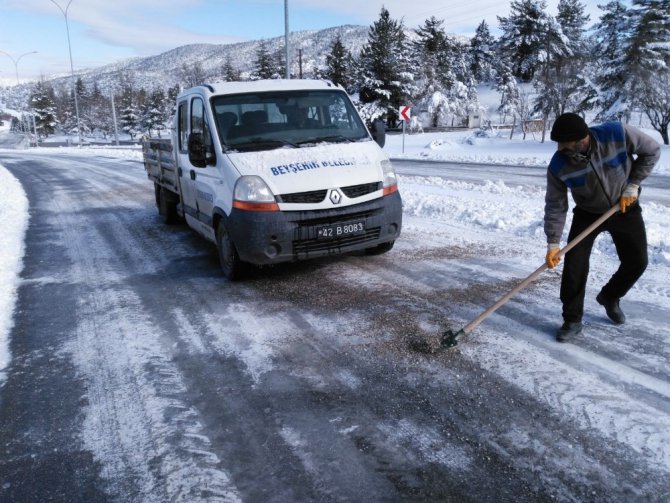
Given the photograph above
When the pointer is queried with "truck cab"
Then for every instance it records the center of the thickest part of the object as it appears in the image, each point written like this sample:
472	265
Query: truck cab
277	171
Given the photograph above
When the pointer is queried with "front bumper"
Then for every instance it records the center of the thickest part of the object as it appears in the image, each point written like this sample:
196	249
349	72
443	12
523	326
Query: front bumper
286	236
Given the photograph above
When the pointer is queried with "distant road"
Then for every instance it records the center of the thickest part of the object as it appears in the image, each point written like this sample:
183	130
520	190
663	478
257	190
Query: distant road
13	140
656	188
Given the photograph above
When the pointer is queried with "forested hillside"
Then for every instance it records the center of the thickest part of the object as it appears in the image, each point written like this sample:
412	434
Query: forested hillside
610	67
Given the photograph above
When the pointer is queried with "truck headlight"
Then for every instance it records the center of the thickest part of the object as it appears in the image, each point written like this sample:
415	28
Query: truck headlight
253	194
390	181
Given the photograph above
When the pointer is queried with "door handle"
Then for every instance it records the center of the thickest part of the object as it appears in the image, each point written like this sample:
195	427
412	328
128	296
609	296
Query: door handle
192	174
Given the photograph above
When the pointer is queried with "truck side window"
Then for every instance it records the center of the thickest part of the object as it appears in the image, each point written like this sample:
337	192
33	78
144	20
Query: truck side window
198	120
199	124
182	134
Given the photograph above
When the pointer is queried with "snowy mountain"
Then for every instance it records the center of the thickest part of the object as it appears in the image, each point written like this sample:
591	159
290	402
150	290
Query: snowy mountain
164	69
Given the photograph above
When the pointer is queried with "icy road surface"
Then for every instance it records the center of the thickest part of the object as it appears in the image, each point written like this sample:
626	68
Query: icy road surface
138	374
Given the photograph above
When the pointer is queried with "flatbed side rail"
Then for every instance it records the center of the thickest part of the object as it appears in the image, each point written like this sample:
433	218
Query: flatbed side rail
159	163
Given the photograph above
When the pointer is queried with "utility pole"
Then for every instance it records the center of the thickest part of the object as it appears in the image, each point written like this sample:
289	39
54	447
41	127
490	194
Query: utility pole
116	131
74	85
288	62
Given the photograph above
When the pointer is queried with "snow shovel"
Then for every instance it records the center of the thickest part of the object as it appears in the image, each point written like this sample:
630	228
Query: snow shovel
450	339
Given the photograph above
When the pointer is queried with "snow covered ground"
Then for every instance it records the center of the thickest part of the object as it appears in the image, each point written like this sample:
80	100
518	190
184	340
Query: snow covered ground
13	222
498	207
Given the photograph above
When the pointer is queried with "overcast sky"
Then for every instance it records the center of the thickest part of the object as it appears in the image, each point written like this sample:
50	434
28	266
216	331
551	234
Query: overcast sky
105	31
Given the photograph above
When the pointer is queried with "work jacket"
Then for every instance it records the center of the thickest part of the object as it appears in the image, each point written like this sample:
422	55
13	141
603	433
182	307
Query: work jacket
619	155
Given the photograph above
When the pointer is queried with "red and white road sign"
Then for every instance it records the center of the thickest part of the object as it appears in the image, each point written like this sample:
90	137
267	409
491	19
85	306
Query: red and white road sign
405	112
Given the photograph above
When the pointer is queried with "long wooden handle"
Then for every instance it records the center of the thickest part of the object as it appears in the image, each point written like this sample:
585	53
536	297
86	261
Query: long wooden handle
474	323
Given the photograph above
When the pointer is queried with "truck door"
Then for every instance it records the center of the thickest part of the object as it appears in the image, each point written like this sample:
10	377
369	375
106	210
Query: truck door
184	167
196	182
203	179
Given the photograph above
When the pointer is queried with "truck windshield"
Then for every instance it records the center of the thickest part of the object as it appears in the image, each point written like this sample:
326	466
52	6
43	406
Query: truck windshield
269	120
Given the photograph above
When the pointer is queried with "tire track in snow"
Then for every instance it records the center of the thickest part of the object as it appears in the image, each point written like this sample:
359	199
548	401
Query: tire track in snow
146	436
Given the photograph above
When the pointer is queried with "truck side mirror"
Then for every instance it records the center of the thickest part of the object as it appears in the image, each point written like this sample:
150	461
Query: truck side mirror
379	132
198	155
196	150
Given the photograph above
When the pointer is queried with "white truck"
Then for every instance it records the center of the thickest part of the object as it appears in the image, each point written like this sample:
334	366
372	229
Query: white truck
275	171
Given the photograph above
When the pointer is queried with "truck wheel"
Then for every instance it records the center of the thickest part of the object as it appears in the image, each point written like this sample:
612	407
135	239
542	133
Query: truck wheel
380	248
231	265
167	208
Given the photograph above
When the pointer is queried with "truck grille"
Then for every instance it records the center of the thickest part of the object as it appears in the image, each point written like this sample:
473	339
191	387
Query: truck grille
361	190
316	196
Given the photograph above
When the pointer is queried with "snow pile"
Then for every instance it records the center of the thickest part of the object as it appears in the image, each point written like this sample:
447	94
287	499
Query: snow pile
13	222
491	205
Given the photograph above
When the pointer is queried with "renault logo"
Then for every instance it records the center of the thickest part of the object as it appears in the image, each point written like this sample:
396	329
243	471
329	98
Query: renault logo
335	196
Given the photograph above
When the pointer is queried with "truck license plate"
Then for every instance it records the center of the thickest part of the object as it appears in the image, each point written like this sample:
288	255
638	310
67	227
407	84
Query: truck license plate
340	230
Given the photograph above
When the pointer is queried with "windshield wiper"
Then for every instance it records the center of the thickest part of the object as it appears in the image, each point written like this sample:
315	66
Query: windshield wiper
337	138
261	144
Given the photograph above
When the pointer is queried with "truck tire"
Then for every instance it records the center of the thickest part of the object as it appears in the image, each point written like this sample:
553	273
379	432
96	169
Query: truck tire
167	208
231	265
380	248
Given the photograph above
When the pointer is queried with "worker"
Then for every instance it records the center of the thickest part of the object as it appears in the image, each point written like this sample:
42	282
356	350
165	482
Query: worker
601	166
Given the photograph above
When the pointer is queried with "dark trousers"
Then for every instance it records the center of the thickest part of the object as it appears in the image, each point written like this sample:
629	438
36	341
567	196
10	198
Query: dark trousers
630	239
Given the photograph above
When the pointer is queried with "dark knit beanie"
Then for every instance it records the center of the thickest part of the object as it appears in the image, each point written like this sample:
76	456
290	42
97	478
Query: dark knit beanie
569	127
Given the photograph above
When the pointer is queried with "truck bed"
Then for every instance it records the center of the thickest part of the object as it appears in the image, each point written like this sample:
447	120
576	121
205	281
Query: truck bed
160	164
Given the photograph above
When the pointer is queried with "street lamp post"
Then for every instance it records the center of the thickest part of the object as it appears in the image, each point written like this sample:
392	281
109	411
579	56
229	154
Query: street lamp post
16	62
16	71
69	45
286	48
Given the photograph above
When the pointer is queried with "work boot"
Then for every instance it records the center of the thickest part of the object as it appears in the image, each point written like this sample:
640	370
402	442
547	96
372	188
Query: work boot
612	309
569	330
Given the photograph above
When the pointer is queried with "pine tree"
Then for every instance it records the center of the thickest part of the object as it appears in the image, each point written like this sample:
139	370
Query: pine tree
172	94
99	114
154	115
129	120
482	54
264	67
230	73
652	33
44	109
384	67
508	88
649	57
69	114
612	30
640	63
434	77
339	64
83	98
572	20
431	54
279	65
610	95
129	116
558	83
523	37
445	85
